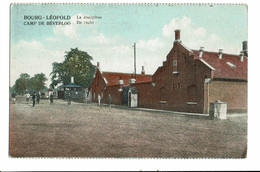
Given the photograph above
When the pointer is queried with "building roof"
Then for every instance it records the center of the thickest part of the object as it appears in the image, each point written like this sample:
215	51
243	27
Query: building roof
112	78
230	66
70	85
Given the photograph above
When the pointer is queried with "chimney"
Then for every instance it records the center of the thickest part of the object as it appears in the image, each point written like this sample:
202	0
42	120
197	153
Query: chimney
120	82
220	53
177	35
244	45
97	64
241	56
132	80
201	51
143	72
121	85
245	48
72	79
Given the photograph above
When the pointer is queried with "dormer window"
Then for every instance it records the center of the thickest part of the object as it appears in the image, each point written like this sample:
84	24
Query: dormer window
231	64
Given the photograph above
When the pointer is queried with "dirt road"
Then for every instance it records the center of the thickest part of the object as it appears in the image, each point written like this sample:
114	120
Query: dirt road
81	130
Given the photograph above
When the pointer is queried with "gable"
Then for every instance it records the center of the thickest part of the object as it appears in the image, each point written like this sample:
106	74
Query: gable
230	66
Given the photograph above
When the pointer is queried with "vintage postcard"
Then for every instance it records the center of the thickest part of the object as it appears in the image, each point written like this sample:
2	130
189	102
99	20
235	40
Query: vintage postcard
128	80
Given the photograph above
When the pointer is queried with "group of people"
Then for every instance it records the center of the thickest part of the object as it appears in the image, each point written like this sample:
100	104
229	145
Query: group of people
36	98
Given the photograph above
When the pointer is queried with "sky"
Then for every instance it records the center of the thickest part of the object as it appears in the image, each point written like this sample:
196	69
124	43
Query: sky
109	40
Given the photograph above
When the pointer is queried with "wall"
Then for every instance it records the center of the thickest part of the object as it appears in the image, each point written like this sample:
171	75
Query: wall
147	96
173	91
117	97
232	92
98	85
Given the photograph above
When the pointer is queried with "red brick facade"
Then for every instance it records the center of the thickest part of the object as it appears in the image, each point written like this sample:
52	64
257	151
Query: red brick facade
188	81
235	93
105	83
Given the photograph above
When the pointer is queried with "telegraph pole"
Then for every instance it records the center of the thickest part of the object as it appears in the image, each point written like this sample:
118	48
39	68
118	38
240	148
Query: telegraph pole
135	59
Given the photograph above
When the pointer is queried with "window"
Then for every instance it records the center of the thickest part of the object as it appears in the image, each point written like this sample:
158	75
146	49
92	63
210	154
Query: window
175	63
178	86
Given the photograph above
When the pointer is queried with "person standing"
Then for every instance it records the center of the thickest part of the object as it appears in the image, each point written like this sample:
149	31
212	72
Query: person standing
27	96
51	99
86	97
99	98
33	98
38	98
69	100
109	100
13	97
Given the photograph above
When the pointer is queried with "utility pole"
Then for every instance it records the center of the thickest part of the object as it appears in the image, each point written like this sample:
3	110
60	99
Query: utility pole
135	59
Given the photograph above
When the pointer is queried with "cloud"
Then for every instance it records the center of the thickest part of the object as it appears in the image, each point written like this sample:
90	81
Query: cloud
186	26
151	44
176	23
191	35
115	53
53	39
68	30
32	58
101	39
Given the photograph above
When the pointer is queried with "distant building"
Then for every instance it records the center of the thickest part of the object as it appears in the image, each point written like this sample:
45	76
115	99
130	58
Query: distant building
115	84
190	79
71	90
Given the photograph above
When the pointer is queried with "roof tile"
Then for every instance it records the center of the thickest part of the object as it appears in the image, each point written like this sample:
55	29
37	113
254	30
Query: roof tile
113	78
222	69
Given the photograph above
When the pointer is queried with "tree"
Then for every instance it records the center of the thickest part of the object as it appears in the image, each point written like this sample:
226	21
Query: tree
25	83
11	89
21	83
37	82
77	64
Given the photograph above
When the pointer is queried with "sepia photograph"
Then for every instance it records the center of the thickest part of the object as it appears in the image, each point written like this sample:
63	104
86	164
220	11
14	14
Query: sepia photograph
128	80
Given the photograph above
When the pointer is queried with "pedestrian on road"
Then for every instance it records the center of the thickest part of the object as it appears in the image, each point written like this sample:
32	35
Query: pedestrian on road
38	98
69	100
86	97
13	97
33	98
27	96
99	98
109	100
51	99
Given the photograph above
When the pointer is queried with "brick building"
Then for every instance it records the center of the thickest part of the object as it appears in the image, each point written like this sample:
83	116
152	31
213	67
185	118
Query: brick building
190	79
115	84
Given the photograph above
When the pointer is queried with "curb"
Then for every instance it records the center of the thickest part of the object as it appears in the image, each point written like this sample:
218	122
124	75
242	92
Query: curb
154	110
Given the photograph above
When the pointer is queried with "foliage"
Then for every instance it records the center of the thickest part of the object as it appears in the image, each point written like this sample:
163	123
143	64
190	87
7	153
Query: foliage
11	89
37	82
77	64
25	83
21	83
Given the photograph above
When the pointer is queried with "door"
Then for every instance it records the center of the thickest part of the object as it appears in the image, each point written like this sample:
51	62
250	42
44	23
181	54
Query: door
125	95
